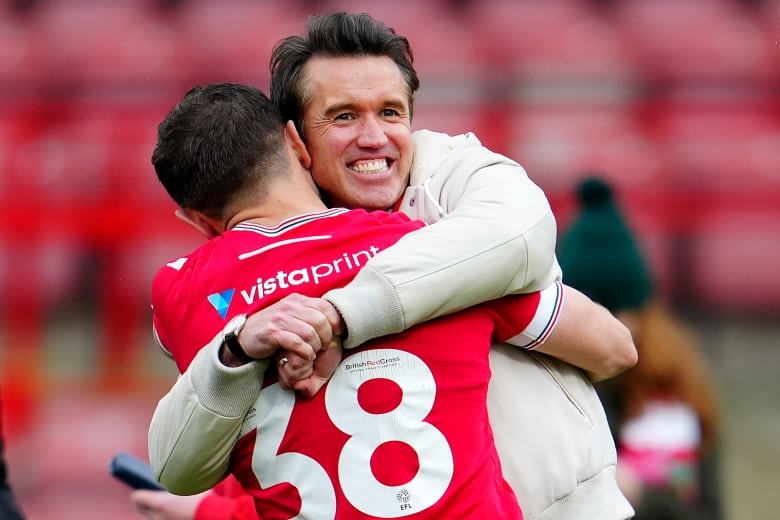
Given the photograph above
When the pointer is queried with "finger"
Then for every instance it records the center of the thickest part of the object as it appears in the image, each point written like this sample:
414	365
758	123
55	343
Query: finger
309	386
291	362
292	368
293	343
320	314
273	328
288	380
329	312
311	325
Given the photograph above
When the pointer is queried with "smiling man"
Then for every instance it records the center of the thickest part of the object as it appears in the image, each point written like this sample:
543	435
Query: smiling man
374	154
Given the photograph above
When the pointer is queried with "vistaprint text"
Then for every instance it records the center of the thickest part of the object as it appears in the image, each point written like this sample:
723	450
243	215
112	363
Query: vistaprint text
283	279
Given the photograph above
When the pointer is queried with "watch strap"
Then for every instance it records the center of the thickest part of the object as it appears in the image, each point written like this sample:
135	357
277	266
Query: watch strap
231	341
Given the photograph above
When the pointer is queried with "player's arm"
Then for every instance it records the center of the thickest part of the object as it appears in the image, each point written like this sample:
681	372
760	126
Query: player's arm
495	235
568	325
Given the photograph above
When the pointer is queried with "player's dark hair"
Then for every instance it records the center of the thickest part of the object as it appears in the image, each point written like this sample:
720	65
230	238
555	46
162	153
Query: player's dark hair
334	35
219	143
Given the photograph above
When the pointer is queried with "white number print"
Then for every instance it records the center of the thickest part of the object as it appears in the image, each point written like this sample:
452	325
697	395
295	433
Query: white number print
367	431
404	423
274	408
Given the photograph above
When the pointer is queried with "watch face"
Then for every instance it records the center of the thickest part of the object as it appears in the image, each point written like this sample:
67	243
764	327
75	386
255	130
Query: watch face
235	324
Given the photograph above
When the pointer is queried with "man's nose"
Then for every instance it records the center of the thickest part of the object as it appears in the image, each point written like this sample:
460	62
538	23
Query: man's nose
372	134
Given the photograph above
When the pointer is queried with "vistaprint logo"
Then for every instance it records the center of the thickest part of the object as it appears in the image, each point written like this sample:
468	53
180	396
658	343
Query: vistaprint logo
294	278
221	301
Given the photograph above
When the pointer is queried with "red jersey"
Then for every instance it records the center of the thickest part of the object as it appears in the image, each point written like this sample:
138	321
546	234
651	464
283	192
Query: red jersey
251	267
401	430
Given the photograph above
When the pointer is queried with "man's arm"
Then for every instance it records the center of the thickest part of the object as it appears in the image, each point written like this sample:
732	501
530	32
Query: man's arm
494	234
196	424
586	335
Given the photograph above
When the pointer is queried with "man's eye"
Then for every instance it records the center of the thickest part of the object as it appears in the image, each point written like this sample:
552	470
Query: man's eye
389	112
344	116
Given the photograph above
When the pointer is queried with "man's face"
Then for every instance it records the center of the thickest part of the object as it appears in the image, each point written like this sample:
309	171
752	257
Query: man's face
358	130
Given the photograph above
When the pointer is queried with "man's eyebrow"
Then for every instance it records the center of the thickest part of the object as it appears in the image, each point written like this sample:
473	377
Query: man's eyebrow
338	107
397	103
347	106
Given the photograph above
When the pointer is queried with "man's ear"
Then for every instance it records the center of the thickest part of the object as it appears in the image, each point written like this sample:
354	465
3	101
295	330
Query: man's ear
198	221
294	139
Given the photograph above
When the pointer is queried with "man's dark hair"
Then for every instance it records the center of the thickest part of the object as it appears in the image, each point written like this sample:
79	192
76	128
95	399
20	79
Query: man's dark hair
334	35
218	144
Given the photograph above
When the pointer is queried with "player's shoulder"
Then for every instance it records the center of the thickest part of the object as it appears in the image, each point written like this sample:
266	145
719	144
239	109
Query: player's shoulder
180	266
365	218
180	272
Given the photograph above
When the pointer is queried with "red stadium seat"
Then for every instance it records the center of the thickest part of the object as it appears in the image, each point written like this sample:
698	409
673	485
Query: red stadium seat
696	41
21	67
446	54
110	45
80	182
41	254
232	41
461	116
128	131
734	259
722	148
51	159
558	142
767	15
551	40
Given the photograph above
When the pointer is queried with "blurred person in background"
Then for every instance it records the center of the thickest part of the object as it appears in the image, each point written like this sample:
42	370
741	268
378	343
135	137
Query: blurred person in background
9	509
362	151
663	412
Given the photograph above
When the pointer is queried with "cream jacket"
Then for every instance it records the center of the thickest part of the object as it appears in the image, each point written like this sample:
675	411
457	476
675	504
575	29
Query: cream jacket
495	235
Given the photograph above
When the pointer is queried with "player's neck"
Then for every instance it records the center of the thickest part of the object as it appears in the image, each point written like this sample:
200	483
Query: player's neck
277	208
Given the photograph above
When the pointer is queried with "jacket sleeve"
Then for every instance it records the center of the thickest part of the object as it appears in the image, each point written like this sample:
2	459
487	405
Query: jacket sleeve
494	234
195	426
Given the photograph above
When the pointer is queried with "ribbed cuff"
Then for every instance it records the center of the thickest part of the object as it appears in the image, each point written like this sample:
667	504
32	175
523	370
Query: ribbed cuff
369	306
226	391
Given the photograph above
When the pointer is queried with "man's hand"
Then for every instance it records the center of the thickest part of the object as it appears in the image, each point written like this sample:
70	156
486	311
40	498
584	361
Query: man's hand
306	377
296	323
161	505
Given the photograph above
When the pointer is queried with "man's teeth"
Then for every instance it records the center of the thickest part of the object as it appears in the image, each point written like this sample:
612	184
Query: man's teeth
377	166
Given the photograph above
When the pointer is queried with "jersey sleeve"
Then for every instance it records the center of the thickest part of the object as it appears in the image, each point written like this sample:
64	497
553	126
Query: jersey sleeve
494	234
173	284
526	321
166	289
227	501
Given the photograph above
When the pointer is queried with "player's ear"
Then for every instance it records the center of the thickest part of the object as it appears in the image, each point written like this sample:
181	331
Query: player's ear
293	138
198	221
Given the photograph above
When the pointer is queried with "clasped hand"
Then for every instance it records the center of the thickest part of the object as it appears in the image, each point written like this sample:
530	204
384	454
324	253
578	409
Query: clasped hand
302	334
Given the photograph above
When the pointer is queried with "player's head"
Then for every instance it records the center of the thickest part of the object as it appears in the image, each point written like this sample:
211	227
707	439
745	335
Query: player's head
219	146
348	84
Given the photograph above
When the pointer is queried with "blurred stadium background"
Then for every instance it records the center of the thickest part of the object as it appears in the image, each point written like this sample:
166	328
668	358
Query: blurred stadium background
675	101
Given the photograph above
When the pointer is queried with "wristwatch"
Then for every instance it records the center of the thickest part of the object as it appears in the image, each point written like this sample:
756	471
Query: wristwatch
230	337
